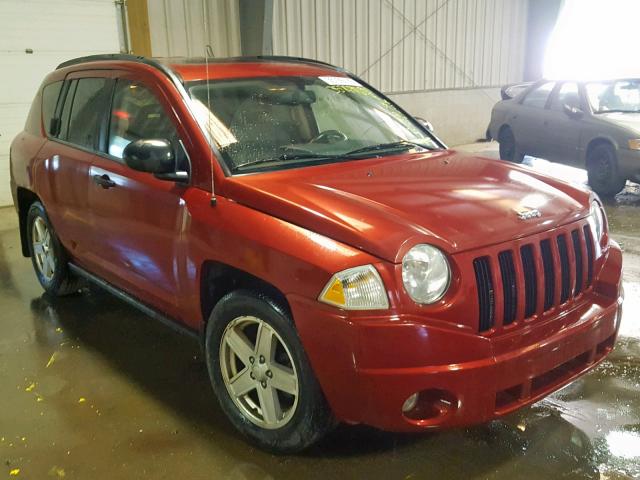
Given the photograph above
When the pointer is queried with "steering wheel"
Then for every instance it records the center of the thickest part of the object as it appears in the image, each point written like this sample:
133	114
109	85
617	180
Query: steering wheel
329	136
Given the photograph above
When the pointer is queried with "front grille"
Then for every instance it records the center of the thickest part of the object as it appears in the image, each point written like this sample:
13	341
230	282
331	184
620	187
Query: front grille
486	296
531	278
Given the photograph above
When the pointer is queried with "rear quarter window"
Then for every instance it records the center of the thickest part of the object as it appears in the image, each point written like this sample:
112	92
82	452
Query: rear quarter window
50	96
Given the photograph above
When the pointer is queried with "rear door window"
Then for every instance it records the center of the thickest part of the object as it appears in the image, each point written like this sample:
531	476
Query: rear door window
567	95
537	97
87	111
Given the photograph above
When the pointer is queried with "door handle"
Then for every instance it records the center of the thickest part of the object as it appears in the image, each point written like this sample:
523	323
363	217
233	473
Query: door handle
104	181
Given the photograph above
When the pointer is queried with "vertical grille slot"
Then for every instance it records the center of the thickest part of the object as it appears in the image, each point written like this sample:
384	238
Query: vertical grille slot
577	248
486	294
510	289
530	283
564	269
549	274
588	238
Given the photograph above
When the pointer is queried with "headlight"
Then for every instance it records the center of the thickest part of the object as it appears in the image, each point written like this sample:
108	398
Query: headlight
597	216
425	274
634	144
358	288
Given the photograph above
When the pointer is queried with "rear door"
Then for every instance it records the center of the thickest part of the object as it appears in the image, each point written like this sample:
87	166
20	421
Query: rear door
562	131
138	219
527	119
74	135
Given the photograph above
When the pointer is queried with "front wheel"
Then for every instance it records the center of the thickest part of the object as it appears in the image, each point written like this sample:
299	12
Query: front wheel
602	168
261	374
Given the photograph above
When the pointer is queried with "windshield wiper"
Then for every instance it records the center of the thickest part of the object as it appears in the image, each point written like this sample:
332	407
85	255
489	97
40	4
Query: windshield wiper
401	145
286	157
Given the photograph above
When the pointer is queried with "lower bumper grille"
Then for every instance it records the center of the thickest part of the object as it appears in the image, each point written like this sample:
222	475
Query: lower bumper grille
520	282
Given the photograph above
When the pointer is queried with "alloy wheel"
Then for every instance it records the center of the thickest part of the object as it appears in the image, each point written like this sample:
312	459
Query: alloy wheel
43	249
258	372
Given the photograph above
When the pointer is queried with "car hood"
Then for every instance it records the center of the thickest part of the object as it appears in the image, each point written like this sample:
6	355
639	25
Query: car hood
630	121
384	206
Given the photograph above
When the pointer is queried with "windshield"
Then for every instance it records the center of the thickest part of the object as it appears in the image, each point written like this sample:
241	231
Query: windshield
614	96
285	122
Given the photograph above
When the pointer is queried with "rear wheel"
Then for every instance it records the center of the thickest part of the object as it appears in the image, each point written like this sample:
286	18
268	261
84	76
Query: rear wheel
508	148
602	168
48	256
261	375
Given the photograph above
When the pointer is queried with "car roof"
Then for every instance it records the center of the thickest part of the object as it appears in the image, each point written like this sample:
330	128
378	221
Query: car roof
199	68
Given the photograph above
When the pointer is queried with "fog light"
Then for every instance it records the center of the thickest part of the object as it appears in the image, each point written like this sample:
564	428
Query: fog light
429	407
410	403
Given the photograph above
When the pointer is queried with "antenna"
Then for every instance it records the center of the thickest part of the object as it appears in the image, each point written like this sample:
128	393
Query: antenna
208	52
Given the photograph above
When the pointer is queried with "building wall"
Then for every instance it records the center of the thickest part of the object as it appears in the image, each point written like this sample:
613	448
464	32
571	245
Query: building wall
415	50
185	27
36	36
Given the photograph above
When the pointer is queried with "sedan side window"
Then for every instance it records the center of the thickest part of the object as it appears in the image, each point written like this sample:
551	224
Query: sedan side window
567	95
538	97
137	114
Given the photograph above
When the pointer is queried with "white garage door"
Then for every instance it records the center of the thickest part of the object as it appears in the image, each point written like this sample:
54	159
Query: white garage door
55	30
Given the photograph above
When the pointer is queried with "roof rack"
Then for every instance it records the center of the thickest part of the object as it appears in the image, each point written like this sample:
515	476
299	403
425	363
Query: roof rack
155	63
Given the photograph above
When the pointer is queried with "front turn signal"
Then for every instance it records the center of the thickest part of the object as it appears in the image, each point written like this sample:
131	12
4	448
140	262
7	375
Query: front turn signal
359	288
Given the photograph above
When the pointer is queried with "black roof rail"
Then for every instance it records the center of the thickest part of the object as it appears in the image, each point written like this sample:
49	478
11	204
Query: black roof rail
102	58
156	63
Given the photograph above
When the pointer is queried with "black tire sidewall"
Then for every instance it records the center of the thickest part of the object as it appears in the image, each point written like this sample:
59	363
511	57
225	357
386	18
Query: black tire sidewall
506	137
36	210
311	416
614	184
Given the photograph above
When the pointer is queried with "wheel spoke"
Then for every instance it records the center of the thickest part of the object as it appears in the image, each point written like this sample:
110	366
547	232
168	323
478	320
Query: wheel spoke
49	265
240	345
37	248
39	229
265	342
269	404
284	379
242	383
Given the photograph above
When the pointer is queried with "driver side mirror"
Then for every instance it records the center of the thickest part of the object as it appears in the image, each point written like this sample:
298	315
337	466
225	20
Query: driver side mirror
424	123
572	111
153	156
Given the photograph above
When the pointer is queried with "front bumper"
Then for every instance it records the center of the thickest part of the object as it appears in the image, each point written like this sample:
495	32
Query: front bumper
369	366
629	164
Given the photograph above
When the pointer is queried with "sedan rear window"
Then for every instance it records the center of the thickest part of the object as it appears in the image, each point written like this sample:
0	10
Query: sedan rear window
538	96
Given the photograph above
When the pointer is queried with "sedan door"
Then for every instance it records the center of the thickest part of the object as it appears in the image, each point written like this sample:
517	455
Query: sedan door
562	127
527	119
139	218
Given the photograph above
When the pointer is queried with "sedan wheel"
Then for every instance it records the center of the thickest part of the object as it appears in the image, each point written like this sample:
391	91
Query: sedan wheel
258	371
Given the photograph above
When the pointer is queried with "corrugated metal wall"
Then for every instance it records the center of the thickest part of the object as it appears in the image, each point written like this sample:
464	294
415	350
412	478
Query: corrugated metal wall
184	27
408	45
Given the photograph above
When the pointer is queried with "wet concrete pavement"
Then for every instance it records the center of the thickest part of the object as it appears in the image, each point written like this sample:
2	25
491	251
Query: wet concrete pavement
92	389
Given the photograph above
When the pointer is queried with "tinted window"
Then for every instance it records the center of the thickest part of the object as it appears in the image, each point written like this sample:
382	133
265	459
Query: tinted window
86	111
567	95
136	113
538	97
66	110
50	96
289	122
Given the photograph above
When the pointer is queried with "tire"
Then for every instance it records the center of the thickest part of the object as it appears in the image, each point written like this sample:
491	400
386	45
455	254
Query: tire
304	416
508	148
602	168
48	256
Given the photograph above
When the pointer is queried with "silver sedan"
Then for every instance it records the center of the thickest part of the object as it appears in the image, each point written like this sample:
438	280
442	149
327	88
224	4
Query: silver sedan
593	125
